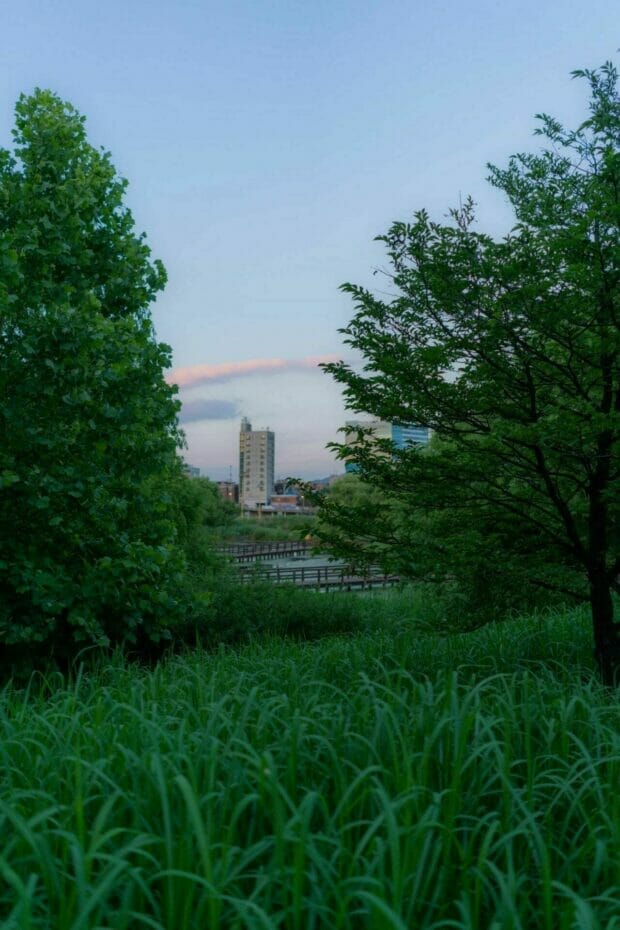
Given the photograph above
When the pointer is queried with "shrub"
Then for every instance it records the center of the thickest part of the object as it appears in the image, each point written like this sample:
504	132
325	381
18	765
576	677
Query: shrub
236	612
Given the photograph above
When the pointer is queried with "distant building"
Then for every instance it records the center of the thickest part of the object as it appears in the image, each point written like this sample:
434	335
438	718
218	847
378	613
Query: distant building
289	498
191	470
256	465
229	490
403	436
400	434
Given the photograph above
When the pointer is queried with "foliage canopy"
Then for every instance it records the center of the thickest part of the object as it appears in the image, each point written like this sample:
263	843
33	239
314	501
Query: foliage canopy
88	430
509	351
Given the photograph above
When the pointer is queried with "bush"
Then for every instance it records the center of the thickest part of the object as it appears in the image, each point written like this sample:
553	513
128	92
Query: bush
234	612
270	528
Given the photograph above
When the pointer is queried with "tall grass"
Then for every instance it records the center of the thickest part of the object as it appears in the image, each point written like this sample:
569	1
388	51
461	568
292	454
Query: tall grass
386	781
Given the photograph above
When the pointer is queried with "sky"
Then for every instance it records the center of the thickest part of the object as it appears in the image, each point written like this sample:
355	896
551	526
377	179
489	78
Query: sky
267	144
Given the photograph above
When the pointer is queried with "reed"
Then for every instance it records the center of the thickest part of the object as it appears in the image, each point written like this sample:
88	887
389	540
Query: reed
388	781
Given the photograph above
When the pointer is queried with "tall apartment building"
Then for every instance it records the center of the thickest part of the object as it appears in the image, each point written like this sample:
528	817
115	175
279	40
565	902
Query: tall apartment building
256	464
401	435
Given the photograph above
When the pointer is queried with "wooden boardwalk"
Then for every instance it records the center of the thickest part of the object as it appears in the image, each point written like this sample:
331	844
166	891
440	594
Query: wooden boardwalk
250	552
341	577
323	577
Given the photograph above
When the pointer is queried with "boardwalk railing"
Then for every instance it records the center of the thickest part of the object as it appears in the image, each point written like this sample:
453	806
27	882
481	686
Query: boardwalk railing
249	552
323	577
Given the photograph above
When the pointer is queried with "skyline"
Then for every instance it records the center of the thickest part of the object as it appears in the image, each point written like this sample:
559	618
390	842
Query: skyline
266	144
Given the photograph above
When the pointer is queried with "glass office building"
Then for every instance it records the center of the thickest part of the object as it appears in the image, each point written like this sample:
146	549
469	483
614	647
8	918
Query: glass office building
400	434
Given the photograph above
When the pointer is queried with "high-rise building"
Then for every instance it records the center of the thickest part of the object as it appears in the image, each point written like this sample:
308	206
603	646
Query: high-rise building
401	435
256	464
409	435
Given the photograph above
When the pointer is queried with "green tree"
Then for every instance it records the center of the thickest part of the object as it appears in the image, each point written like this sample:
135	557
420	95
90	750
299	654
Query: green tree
353	519
88	429
509	351
200	511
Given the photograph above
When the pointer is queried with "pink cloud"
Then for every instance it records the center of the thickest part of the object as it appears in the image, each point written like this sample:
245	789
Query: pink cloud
193	375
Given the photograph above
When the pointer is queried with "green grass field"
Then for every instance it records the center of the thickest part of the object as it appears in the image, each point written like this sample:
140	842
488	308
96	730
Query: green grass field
389	780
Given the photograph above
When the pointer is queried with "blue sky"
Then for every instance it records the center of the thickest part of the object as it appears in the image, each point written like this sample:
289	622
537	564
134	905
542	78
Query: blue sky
267	143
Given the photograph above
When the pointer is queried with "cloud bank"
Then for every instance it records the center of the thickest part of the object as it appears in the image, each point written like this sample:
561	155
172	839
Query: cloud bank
193	411
193	375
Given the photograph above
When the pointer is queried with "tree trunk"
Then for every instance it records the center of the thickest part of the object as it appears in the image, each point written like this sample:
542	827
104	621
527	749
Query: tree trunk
606	632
